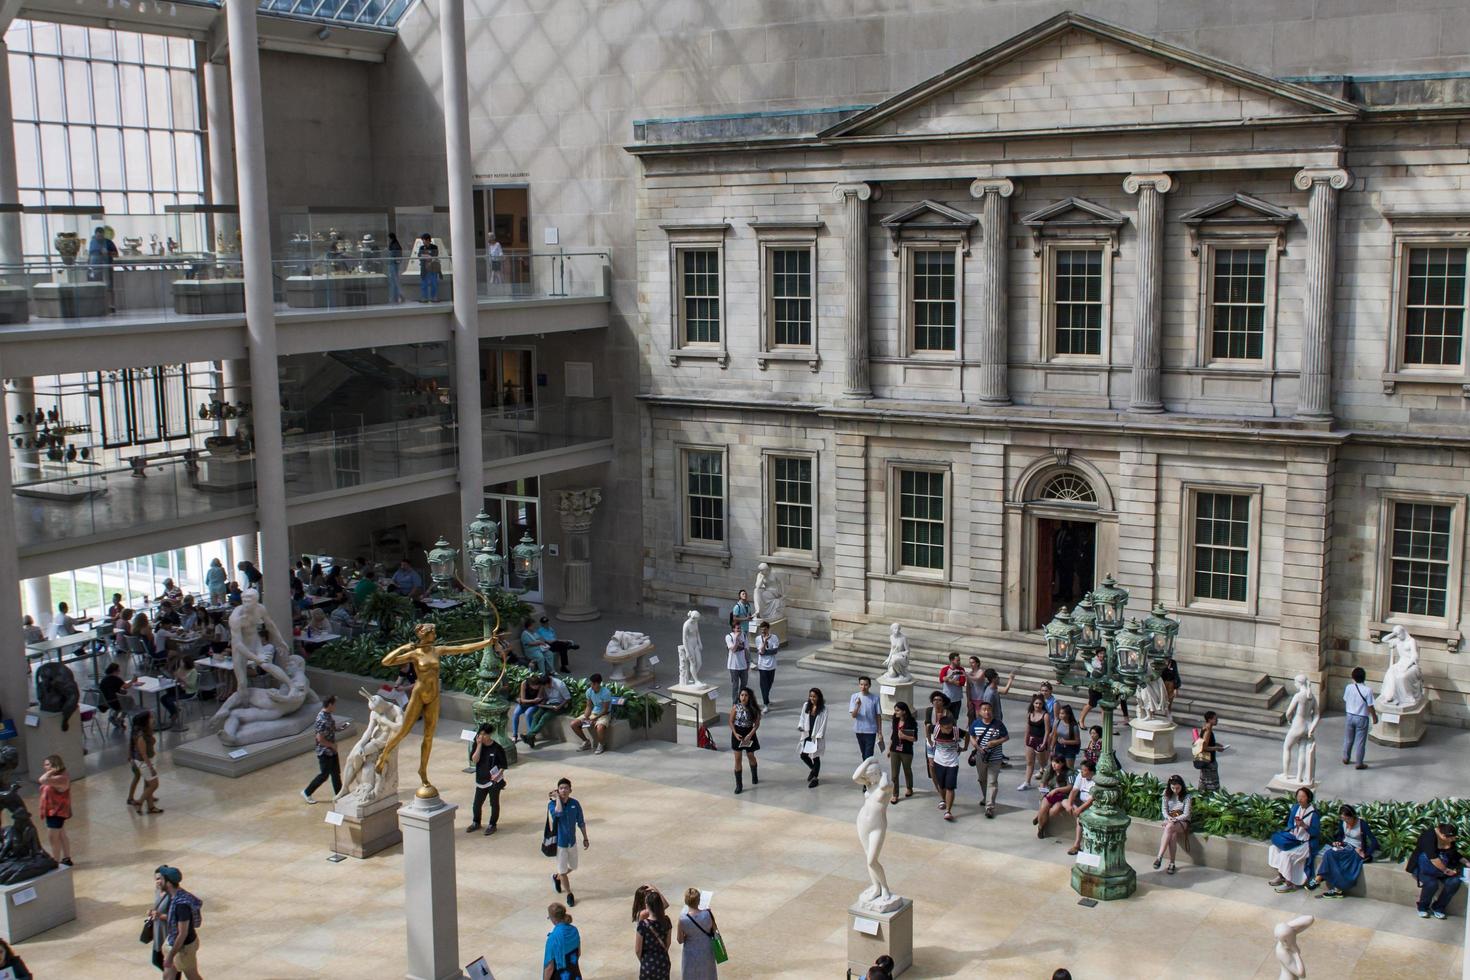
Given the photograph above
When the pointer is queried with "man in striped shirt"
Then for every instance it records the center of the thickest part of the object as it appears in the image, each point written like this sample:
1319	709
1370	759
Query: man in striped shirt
989	735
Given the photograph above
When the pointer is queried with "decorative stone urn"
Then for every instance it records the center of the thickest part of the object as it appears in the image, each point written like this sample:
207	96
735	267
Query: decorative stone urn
68	244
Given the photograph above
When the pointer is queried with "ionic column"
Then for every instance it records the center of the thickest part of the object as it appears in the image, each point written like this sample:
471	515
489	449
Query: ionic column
1148	329
575	508
995	223
1314	391
260	308
855	198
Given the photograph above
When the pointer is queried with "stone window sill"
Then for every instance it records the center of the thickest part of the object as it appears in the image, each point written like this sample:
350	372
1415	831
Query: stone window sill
1392	379
1419	630
813	361
700	354
793	561
684	552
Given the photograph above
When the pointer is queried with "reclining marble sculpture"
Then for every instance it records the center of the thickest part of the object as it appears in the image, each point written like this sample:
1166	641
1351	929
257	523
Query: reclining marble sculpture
362	783
56	690
21	855
259	714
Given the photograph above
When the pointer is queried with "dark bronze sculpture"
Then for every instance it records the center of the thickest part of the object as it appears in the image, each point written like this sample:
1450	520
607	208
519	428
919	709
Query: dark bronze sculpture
21	855
56	690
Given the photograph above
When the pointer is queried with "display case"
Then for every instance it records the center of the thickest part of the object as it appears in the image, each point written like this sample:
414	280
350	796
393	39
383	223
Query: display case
334	256
410	223
212	280
65	285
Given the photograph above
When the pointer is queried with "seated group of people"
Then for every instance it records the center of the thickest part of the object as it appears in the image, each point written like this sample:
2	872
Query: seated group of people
542	698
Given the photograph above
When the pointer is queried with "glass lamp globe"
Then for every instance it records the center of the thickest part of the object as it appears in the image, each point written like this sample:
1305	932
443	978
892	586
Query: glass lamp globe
526	558
483	534
1061	640
1110	601
441	563
1130	646
1086	619
1161	632
487	567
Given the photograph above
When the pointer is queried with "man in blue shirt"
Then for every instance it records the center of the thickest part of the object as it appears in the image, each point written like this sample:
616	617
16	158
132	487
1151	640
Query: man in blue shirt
565	814
597	716
558	647
863	706
406	581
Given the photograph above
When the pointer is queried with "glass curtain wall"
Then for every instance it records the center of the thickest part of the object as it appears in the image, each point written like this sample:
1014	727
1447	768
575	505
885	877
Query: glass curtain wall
107	118
139	580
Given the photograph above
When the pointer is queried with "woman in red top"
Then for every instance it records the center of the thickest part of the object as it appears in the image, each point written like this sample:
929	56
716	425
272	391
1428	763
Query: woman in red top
56	805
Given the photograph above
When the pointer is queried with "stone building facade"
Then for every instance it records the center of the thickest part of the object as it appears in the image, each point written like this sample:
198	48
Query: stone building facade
1085	304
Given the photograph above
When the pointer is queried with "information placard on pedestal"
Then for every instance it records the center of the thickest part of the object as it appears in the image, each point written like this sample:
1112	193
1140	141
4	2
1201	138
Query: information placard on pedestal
44	737
874	934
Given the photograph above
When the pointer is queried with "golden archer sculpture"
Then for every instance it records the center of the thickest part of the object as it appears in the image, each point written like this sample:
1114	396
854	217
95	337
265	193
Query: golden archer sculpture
423	700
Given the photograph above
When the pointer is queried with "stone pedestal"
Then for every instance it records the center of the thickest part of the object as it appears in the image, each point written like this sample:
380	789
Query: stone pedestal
1153	741
29	908
1400	727
203	296
366	830
894	936
234	761
15	306
890	692
1283	784
45	738
628	668
337	290
429	902
694	703
778	628
575	508
70	300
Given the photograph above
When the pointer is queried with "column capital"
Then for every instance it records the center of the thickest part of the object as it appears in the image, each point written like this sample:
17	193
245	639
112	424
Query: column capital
1160	182
575	507
1003	186
860	190
1336	177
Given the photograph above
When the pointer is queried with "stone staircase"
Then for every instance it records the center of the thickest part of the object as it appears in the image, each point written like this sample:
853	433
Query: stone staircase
1246	700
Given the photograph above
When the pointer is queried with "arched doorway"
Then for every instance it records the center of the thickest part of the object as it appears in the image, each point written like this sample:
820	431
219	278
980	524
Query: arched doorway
1064	515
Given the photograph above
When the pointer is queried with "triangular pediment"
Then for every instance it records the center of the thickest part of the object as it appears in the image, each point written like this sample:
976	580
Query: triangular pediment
1239	209
1077	212
930	213
1076	73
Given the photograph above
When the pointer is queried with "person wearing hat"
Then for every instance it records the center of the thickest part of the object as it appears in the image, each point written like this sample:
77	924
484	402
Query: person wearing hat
558	647
180	923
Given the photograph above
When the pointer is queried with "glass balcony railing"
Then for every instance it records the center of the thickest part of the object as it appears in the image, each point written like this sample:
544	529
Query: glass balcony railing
521	431
67	500
317	462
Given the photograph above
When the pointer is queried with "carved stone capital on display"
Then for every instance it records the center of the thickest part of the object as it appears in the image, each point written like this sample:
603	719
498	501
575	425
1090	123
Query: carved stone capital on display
1162	183
1003	186
575	508
1336	177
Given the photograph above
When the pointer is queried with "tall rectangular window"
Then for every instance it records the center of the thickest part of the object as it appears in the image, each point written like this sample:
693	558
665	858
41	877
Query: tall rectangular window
1434	307
933	299
921	519
704	496
791	503
791	297
1238	303
1077	300
1419	558
1221	546
699	294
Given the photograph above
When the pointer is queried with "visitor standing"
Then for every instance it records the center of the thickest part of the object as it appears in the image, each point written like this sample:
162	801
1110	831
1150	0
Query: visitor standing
863	707
697	935
745	718
1172	682
1038	737
490	764
142	747
651	938
566	819
737	660
56	806
563	957
932	716
429	269
1177	808
763	646
215	580
948	742
989	735
901	748
180	925
741	612
1357	700
395	265
496	255
597	715
812	723
1079	800
329	765
1206	755
954	682
101	252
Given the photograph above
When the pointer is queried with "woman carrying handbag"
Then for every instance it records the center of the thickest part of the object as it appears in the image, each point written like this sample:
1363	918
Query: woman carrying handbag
700	937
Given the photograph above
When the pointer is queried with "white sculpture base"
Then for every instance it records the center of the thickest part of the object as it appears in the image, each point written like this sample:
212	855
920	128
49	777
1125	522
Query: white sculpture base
893	936
1284	784
1152	741
46	738
778	628
890	692
366	830
29	908
210	755
430	906
1400	727
694	704
628	668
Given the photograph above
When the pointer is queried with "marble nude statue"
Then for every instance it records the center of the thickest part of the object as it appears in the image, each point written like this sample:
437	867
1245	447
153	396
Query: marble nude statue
1288	953
691	651
248	621
259	714
896	667
770	601
21	855
1403	682
624	640
872	828
362	783
1303	715
423	700
56	690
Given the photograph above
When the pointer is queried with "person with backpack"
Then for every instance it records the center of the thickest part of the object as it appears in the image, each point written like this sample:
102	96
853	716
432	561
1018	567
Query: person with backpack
1357	701
180	923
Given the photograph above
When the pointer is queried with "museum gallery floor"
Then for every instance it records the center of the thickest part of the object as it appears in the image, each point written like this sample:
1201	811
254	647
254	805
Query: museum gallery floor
782	881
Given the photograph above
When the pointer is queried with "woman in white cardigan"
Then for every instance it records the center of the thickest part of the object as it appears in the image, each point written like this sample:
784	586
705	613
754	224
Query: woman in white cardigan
813	727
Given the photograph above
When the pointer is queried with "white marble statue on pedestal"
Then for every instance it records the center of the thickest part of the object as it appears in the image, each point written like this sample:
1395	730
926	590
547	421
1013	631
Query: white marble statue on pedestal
1288	953
691	652
1151	701
259	714
770	601
624	640
362	783
896	667
872	828
1303	715
247	648
1403	682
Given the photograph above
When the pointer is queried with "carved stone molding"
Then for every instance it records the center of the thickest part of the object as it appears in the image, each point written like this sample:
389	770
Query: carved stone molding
576	507
1003	186
862	191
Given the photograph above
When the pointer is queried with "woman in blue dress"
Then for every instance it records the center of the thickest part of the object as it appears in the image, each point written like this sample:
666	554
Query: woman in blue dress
1340	863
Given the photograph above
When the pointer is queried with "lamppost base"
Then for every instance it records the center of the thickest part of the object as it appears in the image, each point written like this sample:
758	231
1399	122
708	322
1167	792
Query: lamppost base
1104	886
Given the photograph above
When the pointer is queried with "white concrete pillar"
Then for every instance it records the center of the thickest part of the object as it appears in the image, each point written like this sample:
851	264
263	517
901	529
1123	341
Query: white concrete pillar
855	198
995	224
1148	328
260	313
11	248
37	602
220	127
466	270
14	672
429	902
1314	394
20	402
